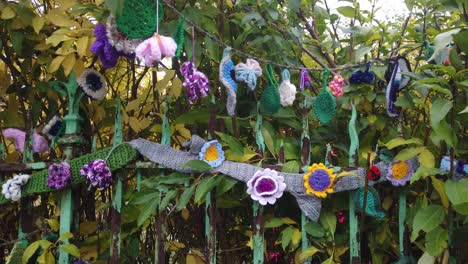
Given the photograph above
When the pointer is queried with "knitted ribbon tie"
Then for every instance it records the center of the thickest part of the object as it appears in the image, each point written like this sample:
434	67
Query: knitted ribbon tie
196	82
396	82
12	188
270	100
40	144
287	90
138	18
119	40
248	72
226	72
155	48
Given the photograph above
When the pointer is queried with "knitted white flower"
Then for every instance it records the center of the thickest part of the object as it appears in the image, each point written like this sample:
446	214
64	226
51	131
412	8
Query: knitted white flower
287	92
93	84
11	189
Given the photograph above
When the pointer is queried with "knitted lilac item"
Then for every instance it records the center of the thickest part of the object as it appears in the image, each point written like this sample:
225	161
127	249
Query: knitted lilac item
305	80
97	173
399	172
319	180
195	81
266	186
107	53
59	175
40	144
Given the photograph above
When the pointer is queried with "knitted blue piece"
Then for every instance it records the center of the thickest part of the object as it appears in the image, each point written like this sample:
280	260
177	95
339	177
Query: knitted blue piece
248	72
362	76
212	161
397	82
445	164
226	70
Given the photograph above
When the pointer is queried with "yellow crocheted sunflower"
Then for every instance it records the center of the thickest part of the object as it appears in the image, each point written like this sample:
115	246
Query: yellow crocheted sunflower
319	180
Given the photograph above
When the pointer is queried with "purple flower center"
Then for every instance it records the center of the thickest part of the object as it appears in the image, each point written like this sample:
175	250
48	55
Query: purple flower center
265	185
319	180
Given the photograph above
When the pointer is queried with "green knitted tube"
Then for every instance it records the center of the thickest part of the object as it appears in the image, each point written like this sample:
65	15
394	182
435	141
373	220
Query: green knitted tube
120	156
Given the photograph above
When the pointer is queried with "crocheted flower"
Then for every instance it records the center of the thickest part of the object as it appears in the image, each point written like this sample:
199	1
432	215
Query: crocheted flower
445	163
11	189
305	80
107	53
360	76
97	173
336	85
373	174
462	167
52	129
248	72
195	81
59	175
93	84
319	180
155	48
212	153
400	172
266	186
287	90
40	144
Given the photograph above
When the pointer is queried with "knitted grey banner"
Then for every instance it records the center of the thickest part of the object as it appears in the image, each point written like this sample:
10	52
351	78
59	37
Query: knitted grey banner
309	204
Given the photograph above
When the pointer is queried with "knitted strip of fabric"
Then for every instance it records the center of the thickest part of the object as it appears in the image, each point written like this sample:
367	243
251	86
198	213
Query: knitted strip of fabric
121	156
138	18
226	73
309	204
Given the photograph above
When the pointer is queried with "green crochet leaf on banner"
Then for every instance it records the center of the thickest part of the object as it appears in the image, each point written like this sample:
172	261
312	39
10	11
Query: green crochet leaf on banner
373	207
179	36
270	100
138	18
120	157
324	106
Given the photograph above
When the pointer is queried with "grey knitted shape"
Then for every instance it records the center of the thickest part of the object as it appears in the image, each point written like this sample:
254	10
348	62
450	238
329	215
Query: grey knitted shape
309	204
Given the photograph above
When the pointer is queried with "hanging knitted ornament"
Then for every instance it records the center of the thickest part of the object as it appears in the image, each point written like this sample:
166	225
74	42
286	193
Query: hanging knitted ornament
270	100
195	81
11	189
118	40
373	206
324	104
305	80
336	85
360	76
93	84
428	50
179	36
40	144
226	76
54	128
102	47
248	72
287	90
59	175
397	82
138	19
155	48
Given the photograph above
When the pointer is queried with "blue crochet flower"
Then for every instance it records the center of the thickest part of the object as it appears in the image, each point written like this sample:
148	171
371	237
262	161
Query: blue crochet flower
212	153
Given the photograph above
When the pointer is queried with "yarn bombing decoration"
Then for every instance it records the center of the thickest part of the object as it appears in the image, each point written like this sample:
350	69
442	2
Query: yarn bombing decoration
93	84
39	144
287	90
97	173
360	76
399	172
324	104
11	189
102	47
305	80
336	85
53	128
226	76
138	19
373	207
319	180
120	41
396	82
460	166
155	48
248	72
59	175
374	173
266	186
212	153
270	100
196	82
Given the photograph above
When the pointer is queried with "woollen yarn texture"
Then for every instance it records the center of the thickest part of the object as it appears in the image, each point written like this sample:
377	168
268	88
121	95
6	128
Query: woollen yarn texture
153	49
287	90
373	206
324	104
248	72
270	99
138	18
118	40
226	75
40	144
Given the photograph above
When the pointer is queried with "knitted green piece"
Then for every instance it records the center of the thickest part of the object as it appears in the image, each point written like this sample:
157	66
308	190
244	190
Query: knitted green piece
324	104
373	207
16	254
120	156
428	50
138	18
353	136
270	100
179	36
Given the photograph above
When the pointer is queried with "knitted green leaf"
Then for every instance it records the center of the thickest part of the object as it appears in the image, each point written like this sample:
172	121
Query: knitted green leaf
324	106
138	18
373	207
270	100
179	36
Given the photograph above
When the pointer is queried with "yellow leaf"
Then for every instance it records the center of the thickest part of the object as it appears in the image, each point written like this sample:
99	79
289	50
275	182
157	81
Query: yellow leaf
79	67
427	159
288	221
134	124
88	228
8	13
144	123
59	18
176	88
54	224
308	253
82	46
185	214
193	259
296	236
133	105
55	64
56	39
46	258
42	47
38	23
440	188
68	63
183	131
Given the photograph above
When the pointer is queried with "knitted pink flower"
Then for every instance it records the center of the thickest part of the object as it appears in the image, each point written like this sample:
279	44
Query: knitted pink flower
266	186
155	48
336	85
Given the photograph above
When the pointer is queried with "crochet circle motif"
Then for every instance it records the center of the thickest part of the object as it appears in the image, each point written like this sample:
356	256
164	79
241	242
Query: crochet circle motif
319	180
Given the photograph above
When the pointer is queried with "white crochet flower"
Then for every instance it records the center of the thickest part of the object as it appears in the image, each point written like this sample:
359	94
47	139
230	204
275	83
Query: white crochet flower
12	188
93	84
287	92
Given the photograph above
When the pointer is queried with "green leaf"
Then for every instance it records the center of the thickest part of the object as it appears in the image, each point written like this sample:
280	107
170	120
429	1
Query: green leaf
457	191
147	210
424	172
185	198
286	236
314	229
31	249
170	195
268	135
426	258
461	39
65	236
174	178
197	165
144	196
232	142
226	183
436	241
461	208
401	141
428	218
204	187
439	109
71	249
409	153
439	187
292	166
346	11
294	5
308	253
446	133
273	222
427	159
328	221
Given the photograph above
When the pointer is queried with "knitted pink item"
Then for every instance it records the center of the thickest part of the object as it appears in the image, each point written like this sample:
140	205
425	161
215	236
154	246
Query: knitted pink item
40	144
155	48
336	85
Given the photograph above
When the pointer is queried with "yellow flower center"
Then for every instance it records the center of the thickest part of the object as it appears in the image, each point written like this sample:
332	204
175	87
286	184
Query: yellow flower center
211	153
399	170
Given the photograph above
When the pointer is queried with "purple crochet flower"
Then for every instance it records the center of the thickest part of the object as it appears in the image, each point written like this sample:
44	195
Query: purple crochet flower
104	49
266	186
196	82
400	172
305	80
59	175
97	173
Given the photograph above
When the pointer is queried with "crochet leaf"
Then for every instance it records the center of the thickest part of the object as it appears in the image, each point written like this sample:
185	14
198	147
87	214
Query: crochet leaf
270	100
138	18
324	106
373	207
179	36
